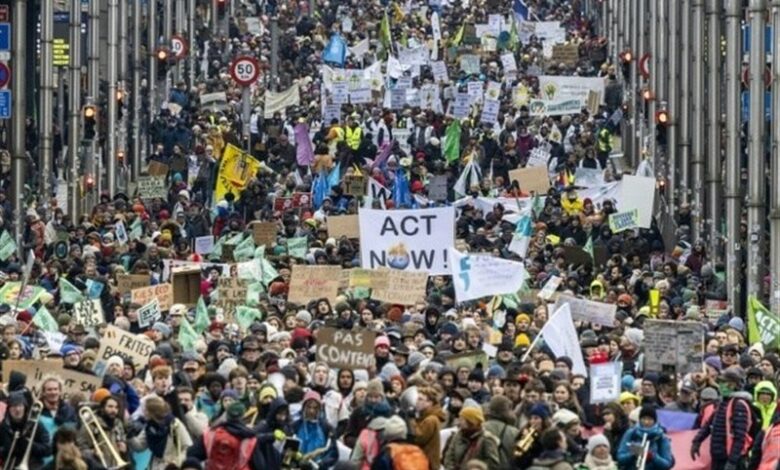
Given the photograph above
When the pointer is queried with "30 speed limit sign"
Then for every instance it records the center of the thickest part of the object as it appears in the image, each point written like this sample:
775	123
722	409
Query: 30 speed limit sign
179	47
245	70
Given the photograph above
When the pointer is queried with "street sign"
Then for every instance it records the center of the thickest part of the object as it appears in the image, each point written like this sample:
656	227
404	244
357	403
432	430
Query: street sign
5	104
245	70
5	36
179	47
5	75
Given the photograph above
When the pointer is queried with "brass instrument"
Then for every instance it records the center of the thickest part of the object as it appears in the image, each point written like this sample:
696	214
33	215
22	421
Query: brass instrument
7	464
96	434
33	417
525	443
641	460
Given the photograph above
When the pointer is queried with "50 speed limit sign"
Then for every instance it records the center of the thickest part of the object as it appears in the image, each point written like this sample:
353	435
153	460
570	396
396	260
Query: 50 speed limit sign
179	47
245	70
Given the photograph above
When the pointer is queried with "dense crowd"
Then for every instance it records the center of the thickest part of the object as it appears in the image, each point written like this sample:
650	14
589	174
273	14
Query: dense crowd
453	385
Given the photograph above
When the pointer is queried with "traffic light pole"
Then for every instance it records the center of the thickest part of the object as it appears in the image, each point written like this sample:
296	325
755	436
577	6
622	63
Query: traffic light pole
653	84
151	30
275	52
91	165
74	112
774	209
714	163
167	34
111	136
137	145
181	28
697	120
192	56
46	119
672	96
214	19
684	123
756	203
733	67
18	135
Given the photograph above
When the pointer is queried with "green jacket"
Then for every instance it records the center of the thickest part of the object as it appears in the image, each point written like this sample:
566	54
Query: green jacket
481	446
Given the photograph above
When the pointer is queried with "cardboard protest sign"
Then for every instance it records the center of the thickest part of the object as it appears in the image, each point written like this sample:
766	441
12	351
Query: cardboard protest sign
550	287
674	346
564	87
204	245
622	221
355	185
343	226
437	188
186	284
597	313
398	287
345	349
162	292
149	314
605	382
468	359
231	292
36	371
151	187
156	168
413	240
568	54
118	342
264	233
531	179
313	282
88	313
714	309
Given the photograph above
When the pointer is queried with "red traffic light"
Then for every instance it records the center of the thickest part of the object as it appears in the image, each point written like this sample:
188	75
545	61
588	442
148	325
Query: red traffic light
627	56
162	54
662	117
90	112
647	95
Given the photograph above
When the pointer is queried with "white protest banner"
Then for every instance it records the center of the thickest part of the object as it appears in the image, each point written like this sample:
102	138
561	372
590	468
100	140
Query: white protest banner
605	382
346	349
589	177
204	245
469	63
475	91
555	108
339	93
550	31
549	287
117	342
360	95
439	69
597	313
561	337
493	90
476	276
88	313
561	87
414	240
413	56
280	101
215	101
461	107
638	192
538	157
673	346
162	292
490	111
377	192
621	221
508	62
149	314
54	339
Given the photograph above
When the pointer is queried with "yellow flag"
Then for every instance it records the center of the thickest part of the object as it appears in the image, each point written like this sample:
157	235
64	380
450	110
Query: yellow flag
236	169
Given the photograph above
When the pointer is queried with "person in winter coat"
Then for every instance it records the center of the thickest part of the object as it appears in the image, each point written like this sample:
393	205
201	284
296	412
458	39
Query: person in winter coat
247	452
615	425
766	449
569	422
276	427
765	402
500	423
316	436
368	444
16	421
553	456
730	425
598	457
396	453
659	450
426	429
66	453
163	434
471	441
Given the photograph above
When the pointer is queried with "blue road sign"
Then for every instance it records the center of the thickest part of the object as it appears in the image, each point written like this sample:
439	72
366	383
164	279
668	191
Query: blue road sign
5	36
5	104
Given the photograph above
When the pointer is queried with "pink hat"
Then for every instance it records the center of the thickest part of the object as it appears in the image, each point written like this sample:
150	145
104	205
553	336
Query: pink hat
382	341
311	395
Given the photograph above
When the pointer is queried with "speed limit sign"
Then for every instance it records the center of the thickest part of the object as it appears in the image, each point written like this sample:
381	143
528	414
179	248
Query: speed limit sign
179	47
245	70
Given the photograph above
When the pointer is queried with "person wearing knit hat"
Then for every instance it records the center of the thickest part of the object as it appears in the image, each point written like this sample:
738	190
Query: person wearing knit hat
100	394
658	450
599	457
164	435
629	401
469	442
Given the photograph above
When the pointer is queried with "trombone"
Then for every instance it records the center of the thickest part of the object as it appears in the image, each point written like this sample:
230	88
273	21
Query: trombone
33	418
98	436
641	461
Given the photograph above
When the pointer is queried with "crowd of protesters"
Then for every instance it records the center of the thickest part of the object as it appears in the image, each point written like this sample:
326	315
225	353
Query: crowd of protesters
255	397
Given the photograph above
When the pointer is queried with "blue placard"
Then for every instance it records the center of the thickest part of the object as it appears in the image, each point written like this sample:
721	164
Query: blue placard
5	104
5	36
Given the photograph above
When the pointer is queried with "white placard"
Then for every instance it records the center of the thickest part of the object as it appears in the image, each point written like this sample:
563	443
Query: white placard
149	314
549	287
476	276
204	245
589	311
605	382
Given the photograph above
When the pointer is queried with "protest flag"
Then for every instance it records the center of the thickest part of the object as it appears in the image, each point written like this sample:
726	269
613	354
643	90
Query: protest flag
537	206
514	37
476	276
588	248
522	236
320	189
520	10
384	33
304	153
136	229
471	176
69	294
763	325
335	52
456	40
202	320
45	321
561	337
334	177
452	142
402	196
187	335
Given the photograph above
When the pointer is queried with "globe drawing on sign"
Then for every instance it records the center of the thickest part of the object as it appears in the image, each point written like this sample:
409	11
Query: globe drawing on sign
398	257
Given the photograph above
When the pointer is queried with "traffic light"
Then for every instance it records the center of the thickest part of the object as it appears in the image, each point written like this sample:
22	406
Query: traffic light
120	156
89	114
162	63
120	102
89	183
221	8
661	122
626	57
662	117
647	94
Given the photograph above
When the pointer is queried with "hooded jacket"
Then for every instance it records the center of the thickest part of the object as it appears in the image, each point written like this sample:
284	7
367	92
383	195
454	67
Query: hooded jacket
265	433
257	462
767	412
427	434
659	451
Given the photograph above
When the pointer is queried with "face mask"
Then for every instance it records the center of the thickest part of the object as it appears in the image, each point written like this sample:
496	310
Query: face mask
724	389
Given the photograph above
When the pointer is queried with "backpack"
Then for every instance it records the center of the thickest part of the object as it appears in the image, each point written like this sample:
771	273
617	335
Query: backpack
227	452
408	457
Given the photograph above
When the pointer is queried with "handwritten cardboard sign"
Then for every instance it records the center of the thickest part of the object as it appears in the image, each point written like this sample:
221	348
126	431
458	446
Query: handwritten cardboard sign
162	292
264	233
313	282
355	185
674	346
343	226
73	382
157	168
88	313
150	187
125	283
531	179
567	54
231	292
149	314
117	342
398	287
345	349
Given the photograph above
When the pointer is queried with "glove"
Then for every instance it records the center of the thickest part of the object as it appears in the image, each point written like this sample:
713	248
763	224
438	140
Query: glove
730	466
695	452
279	435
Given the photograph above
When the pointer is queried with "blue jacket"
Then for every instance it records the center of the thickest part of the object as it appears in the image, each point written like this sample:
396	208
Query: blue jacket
316	435
659	451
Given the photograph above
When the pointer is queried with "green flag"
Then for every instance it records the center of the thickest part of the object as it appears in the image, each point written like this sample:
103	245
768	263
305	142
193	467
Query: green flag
763	325
589	248
253	292
202	319
245	316
296	247
136	229
456	40
536	205
514	38
269	272
452	142
69	294
187	335
45	321
384	33
245	250
7	246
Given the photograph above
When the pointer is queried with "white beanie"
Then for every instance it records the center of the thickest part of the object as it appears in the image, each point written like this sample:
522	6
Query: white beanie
395	429
564	417
597	440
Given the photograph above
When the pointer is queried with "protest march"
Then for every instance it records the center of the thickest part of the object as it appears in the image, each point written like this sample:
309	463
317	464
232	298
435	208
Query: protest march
415	241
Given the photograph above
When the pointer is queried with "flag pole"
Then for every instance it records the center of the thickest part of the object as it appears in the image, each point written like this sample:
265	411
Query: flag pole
538	337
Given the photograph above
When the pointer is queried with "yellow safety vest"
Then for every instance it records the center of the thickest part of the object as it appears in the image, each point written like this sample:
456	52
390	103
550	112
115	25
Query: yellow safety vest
353	137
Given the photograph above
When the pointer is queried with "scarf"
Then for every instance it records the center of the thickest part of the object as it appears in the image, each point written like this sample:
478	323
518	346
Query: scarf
157	435
592	463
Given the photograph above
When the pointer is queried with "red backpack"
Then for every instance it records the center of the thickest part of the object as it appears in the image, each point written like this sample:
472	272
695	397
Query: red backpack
408	457
227	452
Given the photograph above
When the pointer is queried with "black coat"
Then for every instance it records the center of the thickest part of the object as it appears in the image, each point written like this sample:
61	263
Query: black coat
40	446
